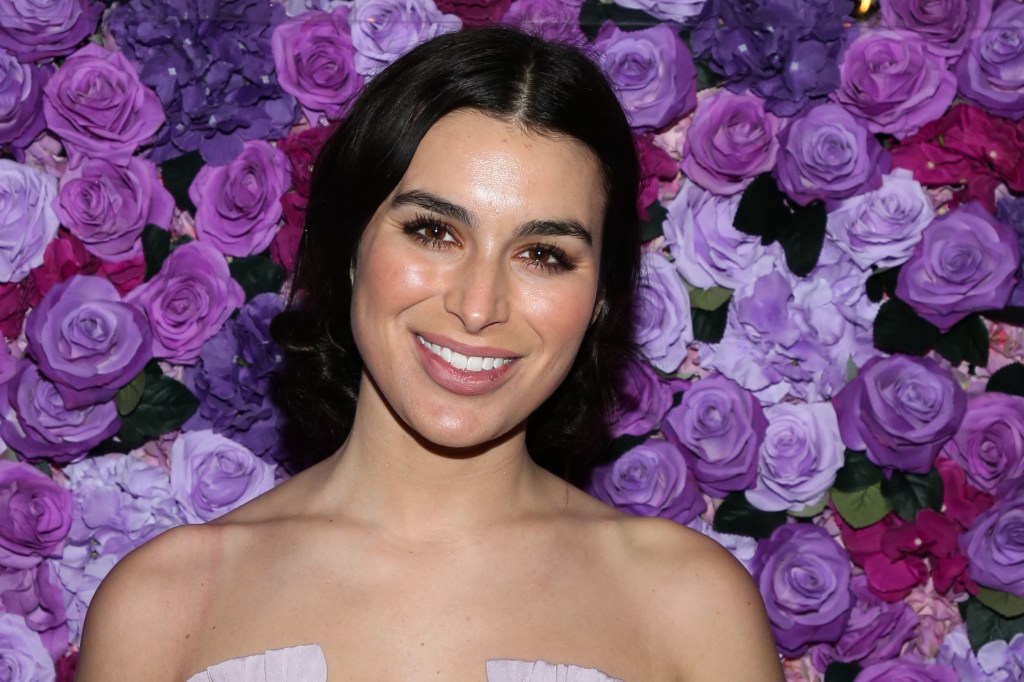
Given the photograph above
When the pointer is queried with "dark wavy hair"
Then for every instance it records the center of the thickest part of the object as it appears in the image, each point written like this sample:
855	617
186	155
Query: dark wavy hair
548	88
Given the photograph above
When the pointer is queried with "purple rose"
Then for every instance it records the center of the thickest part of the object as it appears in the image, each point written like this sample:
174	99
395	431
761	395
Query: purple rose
876	630
907	669
42	426
901	410
211	475
27	221
1010	210
37	30
882	227
188	301
642	400
996	661
946	26
990	443
557	20
708	250
799	457
652	73
384	30
893	83
662	328
35	515
804	576
21	101
666	10
994	545
107	205
23	656
827	154
239	205
991	72
651	479
966	261
719	426
731	140
98	108
87	341
34	595
315	62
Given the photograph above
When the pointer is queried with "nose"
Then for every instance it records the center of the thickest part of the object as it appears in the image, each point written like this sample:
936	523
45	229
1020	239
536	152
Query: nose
478	294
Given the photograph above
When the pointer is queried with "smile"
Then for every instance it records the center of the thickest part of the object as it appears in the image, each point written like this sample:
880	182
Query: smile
466	363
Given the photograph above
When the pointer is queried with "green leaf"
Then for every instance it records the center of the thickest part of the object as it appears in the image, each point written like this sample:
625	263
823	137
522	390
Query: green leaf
882	283
811	510
908	494
1005	604
164	407
967	340
709	299
127	399
851	369
985	625
737	516
762	210
840	671
624	444
593	13
257	274
178	174
857	473
1009	315
898	329
861	508
44	467
709	325
1009	379
652	227
802	237
156	245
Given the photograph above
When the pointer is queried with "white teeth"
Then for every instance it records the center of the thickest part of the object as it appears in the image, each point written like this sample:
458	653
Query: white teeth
472	363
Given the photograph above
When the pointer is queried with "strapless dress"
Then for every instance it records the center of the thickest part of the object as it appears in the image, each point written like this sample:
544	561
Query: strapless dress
306	663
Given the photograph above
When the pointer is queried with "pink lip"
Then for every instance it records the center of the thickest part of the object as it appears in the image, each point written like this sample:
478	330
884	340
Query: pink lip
462	382
466	349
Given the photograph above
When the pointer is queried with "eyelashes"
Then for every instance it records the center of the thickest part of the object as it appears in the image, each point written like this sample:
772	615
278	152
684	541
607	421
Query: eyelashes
439	235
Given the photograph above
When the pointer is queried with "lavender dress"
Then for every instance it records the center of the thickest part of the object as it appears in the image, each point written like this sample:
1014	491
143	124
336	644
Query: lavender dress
306	663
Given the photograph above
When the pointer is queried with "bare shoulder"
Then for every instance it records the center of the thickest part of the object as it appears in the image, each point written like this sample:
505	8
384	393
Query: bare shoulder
704	609
145	611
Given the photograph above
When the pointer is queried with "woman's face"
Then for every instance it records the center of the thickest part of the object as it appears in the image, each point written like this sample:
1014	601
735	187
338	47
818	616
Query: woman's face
477	278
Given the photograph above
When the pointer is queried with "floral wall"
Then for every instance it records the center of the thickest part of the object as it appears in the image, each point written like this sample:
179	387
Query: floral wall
831	308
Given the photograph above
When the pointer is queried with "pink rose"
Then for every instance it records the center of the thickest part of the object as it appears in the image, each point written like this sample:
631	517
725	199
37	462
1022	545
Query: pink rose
655	165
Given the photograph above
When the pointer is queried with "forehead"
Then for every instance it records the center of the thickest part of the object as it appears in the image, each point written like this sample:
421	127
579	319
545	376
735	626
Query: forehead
496	168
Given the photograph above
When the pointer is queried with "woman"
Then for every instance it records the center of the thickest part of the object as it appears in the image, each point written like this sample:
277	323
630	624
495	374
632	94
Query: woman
462	301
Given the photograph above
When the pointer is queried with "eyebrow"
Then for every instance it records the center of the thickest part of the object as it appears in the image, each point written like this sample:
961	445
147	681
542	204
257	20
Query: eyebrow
533	228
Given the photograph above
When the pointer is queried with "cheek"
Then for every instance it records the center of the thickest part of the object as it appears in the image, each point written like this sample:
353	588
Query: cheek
561	314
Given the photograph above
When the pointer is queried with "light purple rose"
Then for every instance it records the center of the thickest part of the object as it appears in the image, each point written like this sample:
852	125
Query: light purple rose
991	72
23	656
315	62
876	630
742	547
35	515
643	398
40	425
88	341
238	207
652	73
666	10
994	545
211	475
893	82
97	106
34	595
996	661
384	30
947	26
799	457
662	328
708	250
188	301
21	101
990	443
27	220
650	479
827	154
37	30
731	139
882	227
966	261
107	205
901	410
556	20
719	426
804	576
907	669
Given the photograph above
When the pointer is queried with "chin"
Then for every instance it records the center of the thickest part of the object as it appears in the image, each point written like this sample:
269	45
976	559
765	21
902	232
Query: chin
453	438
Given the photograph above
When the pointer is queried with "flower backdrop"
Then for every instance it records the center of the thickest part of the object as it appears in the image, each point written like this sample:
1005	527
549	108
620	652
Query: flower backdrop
831	308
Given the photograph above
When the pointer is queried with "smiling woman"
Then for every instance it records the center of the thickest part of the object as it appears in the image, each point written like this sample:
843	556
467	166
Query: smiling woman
462	301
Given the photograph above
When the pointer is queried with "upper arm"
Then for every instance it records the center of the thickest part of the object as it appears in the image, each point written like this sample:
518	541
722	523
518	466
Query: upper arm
140	620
